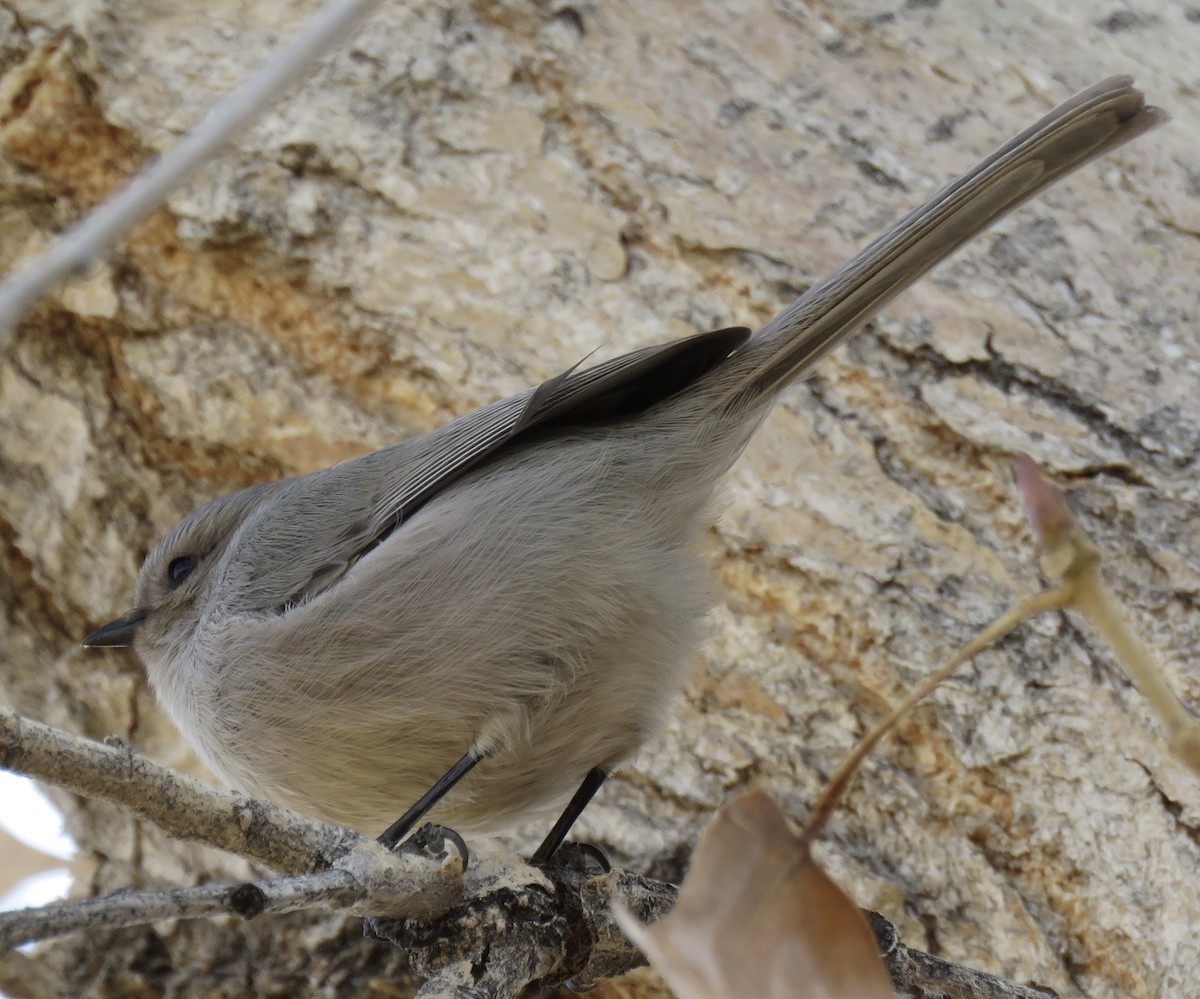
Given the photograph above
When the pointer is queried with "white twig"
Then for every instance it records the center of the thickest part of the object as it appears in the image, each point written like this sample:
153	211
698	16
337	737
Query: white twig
369	880
283	840
88	239
334	869
329	891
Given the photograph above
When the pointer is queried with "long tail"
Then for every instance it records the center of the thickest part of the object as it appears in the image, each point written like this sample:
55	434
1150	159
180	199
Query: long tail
1088	125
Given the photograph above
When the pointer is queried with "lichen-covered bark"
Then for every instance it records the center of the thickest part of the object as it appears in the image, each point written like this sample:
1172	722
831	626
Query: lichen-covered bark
471	196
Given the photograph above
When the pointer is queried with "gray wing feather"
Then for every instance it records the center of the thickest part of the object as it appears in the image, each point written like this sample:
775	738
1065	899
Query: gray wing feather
616	388
343	513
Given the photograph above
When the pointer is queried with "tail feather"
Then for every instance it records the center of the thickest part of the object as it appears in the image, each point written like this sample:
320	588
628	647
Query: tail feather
1088	125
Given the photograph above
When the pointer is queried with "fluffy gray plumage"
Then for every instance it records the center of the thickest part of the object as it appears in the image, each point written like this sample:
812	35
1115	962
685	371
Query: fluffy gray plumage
525	579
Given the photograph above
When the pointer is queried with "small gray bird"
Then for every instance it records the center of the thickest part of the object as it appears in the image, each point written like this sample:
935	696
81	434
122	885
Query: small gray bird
520	589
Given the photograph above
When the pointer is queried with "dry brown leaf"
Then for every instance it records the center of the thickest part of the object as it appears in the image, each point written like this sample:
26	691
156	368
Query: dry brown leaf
758	917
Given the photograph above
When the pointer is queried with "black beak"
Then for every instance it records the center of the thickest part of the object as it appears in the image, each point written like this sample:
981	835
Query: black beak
116	634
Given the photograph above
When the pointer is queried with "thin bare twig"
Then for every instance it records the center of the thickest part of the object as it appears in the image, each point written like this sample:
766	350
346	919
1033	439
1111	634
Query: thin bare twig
1071	556
282	839
332	891
1096	602
89	239
835	788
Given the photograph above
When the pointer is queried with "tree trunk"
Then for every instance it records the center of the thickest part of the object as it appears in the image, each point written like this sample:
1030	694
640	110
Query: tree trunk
468	198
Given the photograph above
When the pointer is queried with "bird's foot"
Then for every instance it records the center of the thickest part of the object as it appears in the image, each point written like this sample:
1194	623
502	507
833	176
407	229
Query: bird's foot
437	843
583	857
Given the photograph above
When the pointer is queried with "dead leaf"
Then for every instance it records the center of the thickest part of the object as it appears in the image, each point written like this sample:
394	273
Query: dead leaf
758	917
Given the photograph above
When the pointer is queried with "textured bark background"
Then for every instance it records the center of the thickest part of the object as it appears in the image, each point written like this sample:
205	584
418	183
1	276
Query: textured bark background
471	196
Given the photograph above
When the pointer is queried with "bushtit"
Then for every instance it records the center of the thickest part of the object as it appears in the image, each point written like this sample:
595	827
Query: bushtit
521	588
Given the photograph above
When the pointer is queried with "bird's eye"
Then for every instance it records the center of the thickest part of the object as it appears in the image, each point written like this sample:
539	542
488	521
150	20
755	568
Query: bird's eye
180	568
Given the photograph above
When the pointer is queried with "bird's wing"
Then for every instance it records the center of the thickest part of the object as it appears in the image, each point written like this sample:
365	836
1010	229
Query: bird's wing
610	391
345	512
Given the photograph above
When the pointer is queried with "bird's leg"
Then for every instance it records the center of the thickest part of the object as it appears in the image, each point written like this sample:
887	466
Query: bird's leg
587	790
400	828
